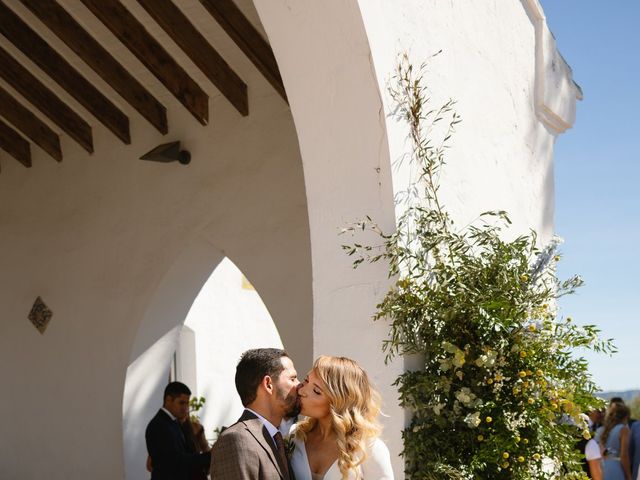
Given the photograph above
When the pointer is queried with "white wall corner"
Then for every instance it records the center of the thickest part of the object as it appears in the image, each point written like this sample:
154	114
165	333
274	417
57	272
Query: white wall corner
556	93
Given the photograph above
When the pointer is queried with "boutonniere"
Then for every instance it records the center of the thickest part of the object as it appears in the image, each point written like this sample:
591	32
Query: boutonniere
289	446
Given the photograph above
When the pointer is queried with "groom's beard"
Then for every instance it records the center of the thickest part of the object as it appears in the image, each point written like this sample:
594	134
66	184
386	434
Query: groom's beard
291	402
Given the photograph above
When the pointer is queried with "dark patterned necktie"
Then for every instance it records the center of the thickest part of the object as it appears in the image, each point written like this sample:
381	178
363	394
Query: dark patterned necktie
282	454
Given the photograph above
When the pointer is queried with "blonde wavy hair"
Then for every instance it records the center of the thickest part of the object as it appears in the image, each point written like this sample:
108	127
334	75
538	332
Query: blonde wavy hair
354	406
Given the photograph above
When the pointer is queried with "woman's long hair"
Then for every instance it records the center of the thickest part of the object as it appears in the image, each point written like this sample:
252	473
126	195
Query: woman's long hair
619	413
354	406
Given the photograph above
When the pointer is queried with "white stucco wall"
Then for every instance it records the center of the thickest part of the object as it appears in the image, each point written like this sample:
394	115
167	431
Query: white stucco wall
499	62
494	62
108	240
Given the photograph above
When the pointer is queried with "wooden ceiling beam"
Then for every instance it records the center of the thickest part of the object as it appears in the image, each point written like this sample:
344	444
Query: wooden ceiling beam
45	100
193	43
52	63
248	39
136	38
60	22
16	146
30	125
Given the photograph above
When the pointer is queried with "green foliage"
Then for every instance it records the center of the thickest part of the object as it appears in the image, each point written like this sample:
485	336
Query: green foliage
502	389
195	404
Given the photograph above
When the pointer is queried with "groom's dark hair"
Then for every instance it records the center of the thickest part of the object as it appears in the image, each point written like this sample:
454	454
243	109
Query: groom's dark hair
253	366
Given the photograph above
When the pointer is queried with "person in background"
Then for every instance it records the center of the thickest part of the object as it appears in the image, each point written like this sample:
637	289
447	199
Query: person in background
173	457
594	460
613	438
596	417
634	450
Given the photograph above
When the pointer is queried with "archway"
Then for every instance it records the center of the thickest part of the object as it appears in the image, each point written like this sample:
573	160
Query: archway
202	270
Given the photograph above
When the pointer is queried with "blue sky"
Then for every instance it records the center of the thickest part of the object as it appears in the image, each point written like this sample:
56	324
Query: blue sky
597	172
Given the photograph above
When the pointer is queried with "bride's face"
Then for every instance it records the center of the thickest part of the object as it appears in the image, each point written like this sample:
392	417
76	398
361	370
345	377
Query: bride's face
313	399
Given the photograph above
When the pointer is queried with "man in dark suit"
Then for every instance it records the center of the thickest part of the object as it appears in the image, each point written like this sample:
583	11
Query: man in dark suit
166	444
253	448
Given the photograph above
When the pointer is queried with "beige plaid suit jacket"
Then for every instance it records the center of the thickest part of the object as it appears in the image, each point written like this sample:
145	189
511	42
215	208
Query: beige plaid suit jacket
245	451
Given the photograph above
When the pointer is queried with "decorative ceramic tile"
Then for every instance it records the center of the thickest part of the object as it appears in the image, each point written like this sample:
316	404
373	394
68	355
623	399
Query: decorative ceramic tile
40	315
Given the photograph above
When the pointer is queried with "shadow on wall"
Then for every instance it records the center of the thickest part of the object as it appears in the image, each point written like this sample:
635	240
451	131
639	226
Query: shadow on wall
156	341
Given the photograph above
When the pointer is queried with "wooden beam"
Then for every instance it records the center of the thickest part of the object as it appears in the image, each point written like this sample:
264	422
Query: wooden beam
45	100
96	56
30	125
135	37
52	63
248	39
182	31
16	146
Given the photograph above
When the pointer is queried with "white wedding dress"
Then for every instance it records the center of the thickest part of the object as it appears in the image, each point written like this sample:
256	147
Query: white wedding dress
377	465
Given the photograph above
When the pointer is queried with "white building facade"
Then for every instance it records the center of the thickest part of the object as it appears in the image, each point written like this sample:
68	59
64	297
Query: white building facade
119	248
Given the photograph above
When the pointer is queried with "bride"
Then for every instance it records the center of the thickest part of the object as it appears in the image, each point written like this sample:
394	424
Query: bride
339	439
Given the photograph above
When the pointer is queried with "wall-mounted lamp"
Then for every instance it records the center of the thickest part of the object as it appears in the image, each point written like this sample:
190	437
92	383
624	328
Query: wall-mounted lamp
168	152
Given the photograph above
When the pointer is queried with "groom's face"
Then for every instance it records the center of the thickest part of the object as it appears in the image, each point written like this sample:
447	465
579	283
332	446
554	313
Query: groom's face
287	389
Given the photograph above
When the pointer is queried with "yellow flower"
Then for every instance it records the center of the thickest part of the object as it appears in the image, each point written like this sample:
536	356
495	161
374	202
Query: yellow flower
586	434
517	439
488	419
516	390
532	328
524	278
522	374
523	354
505	455
525	441
539	373
489	381
536	456
530	401
505	465
520	459
480	438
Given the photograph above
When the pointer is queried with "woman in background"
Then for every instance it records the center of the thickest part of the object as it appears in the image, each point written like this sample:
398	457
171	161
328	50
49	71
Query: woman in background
613	438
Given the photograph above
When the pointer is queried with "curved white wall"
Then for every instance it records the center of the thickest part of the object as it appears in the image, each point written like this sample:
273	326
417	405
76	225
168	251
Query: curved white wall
324	58
97	237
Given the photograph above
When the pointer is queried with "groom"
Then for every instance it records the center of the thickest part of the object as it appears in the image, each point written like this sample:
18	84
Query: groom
253	448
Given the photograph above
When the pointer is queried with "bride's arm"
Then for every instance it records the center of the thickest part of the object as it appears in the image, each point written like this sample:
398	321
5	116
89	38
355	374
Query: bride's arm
377	466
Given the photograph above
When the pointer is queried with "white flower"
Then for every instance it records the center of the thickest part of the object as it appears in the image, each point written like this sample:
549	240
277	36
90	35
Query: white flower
487	360
445	364
458	358
472	420
465	396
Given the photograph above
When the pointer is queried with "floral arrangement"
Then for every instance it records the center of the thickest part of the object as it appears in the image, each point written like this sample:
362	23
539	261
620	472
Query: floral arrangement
502	391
